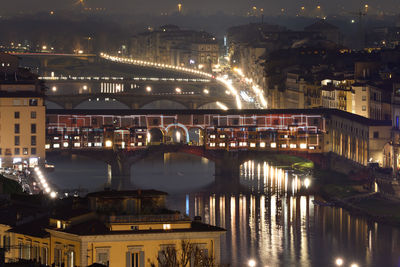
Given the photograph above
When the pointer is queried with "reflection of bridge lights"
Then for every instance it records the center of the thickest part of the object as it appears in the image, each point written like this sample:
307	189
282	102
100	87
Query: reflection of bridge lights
252	263
148	89
148	137
307	182
354	265
108	143
178	90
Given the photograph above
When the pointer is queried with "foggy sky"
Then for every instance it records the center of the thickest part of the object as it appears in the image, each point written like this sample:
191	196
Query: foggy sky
206	7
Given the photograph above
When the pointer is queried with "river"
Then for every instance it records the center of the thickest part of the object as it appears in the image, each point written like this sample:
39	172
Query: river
273	221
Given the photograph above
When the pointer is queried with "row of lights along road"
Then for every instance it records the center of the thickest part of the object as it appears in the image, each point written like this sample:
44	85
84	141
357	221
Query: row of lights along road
227	83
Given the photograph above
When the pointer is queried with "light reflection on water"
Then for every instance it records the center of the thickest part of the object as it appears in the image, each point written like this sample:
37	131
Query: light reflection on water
276	222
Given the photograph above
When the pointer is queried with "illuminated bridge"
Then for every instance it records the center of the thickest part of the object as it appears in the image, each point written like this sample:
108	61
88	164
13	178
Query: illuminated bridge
228	138
137	92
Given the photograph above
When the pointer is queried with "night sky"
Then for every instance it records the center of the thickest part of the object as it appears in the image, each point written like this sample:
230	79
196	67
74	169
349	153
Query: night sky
238	7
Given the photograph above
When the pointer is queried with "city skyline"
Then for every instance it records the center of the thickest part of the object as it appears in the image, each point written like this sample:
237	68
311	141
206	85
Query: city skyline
208	7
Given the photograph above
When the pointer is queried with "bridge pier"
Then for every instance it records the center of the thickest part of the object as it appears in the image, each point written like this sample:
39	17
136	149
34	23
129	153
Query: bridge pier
135	105
227	170
119	173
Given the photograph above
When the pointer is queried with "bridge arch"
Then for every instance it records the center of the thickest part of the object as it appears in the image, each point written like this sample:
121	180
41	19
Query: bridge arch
212	105
53	105
183	130
163	104
112	104
156	135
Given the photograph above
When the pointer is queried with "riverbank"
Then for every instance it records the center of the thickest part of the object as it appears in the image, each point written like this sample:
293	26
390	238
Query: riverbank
356	197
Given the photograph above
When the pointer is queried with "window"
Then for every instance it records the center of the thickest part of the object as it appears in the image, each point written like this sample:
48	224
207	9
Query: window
16	140
364	89
364	98
102	258
16	102
57	257
16	128
136	259
70	258
33	151
33	102
44	256
16	115
364	108
33	114
376	134
25	151
33	140
33	128
16	151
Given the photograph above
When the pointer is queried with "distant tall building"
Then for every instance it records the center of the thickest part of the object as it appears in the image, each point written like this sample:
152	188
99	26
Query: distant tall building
22	115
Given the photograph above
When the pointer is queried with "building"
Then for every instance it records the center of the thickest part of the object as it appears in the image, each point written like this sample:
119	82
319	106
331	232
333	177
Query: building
22	121
114	228
367	101
174	46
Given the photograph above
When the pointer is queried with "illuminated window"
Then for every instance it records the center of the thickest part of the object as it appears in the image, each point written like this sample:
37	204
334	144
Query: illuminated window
303	146
212	136
212	144
222	144
222	136
283	145
252	144
243	144
166	226
312	147
233	144
273	145
293	145
262	144
56	145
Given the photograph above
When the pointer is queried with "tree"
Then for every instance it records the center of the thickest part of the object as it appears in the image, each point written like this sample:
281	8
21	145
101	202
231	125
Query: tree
188	253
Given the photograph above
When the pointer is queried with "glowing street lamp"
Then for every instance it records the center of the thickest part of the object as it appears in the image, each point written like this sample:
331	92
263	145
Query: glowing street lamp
178	136
148	89
178	90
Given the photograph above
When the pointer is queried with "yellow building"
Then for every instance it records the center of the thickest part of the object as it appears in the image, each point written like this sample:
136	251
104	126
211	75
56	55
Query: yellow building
22	119
82	237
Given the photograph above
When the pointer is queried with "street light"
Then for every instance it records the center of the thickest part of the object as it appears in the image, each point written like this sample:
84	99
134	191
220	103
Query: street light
178	90
148	89
54	89
206	91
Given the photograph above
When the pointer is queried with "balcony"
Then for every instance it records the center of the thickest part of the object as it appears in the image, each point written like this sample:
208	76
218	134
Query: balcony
148	218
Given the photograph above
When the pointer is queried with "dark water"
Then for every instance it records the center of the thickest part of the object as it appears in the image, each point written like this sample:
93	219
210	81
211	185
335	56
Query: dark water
275	223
